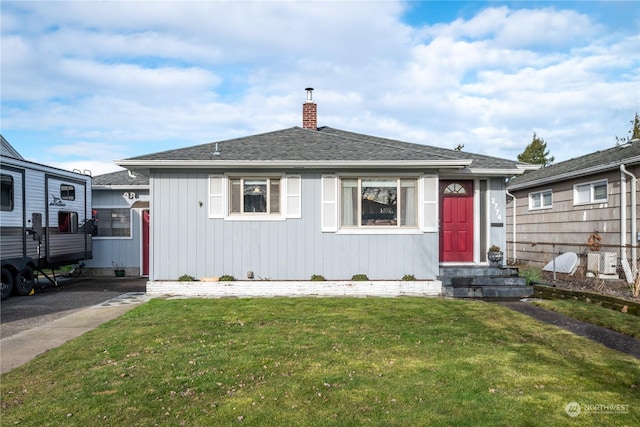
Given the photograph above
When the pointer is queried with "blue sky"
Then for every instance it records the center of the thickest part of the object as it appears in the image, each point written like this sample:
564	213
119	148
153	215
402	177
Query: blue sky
84	83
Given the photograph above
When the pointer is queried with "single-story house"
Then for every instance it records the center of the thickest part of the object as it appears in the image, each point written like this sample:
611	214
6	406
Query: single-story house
582	204
303	201
121	211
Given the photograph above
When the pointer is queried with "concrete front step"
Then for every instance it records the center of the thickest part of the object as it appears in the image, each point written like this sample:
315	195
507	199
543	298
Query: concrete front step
468	281
518	291
477	271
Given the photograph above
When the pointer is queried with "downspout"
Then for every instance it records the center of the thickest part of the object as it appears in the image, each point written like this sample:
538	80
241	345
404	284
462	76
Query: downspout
514	224
623	223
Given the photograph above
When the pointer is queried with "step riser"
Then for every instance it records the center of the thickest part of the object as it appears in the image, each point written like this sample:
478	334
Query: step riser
460	282
488	292
477	271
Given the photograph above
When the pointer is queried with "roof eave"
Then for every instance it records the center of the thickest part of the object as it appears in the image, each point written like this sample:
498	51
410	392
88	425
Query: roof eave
120	187
302	164
495	171
574	174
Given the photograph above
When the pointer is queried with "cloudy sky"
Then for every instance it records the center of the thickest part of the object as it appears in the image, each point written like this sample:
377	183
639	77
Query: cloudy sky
84	83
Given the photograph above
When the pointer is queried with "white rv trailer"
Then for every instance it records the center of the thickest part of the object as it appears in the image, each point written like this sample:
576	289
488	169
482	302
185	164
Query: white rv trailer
45	220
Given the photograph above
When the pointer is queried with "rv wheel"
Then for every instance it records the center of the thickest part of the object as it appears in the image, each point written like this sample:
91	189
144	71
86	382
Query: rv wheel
24	281
7	283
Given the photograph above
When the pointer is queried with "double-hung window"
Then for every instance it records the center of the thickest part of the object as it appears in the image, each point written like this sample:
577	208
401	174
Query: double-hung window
378	202
254	196
540	200
590	192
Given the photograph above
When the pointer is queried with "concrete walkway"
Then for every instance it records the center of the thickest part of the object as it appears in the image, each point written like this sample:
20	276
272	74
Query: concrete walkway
20	348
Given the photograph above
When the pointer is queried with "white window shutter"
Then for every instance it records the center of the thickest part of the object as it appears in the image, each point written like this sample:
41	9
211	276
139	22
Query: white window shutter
429	203
216	196
294	201
329	192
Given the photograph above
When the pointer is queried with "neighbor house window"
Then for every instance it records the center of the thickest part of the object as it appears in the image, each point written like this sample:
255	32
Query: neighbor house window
67	222
67	192
254	196
378	202
540	200
591	192
6	192
113	222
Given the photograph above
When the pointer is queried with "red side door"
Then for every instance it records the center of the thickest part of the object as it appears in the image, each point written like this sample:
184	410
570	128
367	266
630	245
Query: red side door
456	214
145	243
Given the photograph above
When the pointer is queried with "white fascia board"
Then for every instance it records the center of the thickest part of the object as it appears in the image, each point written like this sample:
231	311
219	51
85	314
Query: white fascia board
494	172
120	187
270	164
574	174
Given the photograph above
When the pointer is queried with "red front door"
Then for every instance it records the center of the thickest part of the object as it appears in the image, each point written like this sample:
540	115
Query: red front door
456	214
145	243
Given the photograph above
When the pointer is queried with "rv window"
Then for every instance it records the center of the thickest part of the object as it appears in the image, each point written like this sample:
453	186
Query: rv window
6	197
67	222
115	222
67	192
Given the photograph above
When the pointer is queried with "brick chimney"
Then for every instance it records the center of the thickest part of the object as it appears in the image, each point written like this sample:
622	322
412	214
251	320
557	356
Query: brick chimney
309	112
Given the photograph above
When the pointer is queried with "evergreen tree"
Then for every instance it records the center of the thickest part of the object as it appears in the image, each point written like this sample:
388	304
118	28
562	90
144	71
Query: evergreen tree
536	153
634	132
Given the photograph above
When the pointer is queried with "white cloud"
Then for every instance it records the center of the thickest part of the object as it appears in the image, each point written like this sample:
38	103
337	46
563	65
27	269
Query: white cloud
138	77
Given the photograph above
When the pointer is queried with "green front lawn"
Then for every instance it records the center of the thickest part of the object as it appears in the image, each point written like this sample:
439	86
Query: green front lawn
322	361
627	324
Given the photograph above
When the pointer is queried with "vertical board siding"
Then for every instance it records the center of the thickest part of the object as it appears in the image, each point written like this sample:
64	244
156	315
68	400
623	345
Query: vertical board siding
187	241
124	251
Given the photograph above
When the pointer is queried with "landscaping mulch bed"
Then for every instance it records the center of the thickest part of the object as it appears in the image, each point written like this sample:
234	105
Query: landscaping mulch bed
578	282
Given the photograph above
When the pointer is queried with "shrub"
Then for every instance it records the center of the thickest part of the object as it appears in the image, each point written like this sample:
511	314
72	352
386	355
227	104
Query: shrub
317	278
408	278
227	278
359	277
186	278
531	274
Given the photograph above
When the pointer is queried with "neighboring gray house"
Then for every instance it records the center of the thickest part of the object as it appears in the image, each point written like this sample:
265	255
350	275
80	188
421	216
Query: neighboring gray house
121	208
288	204
567	202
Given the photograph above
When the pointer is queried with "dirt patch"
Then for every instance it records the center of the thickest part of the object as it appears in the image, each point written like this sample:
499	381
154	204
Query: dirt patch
578	282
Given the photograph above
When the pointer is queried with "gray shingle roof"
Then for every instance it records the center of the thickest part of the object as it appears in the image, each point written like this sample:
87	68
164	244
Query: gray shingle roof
580	166
325	144
119	178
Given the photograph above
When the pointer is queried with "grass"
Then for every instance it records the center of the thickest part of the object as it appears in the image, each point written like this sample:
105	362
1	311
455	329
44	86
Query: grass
321	361
621	322
531	274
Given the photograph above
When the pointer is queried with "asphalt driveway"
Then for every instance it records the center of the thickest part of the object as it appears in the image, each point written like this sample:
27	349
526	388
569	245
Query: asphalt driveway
19	314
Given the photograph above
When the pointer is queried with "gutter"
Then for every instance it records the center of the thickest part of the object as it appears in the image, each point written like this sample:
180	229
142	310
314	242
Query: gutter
574	174
515	202
631	273
305	164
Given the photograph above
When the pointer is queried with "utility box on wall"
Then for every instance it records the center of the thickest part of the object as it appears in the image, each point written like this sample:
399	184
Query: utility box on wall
603	264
